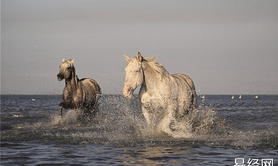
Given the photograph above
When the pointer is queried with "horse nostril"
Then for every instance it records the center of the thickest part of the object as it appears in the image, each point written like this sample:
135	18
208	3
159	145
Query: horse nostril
60	77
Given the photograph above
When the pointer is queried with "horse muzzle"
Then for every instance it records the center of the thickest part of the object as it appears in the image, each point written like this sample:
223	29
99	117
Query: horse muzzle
60	76
128	93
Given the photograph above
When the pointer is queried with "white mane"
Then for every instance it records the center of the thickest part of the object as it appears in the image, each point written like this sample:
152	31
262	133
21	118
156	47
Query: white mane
153	63
166	99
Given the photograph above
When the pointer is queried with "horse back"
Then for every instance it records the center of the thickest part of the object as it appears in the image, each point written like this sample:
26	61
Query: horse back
186	78
91	85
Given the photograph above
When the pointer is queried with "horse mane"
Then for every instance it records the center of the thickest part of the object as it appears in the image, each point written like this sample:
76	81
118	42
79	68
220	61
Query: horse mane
155	65
70	61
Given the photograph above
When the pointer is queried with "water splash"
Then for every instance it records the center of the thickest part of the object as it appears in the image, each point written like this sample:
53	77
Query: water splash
196	123
124	121
119	122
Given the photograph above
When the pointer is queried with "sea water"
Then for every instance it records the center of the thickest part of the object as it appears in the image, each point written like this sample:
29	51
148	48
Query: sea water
224	131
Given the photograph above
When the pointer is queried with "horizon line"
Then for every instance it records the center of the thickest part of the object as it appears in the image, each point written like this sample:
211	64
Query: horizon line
27	94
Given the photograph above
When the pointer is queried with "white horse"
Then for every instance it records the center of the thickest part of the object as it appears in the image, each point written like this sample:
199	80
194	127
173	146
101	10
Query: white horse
165	98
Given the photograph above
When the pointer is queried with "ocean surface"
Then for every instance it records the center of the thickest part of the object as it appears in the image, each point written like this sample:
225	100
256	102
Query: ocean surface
225	131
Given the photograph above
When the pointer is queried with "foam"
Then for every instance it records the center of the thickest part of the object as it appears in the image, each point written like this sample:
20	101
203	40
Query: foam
121	123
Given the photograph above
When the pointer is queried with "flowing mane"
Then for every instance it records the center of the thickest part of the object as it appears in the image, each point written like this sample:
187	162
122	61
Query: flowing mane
166	99
70	61
153	63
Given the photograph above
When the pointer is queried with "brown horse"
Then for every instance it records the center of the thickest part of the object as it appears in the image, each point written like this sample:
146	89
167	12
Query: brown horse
77	94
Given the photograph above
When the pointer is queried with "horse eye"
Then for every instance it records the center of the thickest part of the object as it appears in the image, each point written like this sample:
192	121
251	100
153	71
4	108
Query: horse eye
68	68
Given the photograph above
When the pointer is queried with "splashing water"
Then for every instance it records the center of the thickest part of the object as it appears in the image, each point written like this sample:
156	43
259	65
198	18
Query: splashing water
120	122
221	129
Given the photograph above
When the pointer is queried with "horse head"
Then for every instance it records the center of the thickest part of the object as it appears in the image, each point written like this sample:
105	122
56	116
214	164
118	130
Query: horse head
66	69
134	75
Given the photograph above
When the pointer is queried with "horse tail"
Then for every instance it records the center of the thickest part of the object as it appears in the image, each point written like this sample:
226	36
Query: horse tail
98	90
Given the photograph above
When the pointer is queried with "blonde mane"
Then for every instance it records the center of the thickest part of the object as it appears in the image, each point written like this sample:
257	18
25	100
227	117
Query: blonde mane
155	65
71	61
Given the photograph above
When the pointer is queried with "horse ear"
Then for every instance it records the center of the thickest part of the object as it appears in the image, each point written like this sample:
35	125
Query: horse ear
139	57
127	59
72	61
64	60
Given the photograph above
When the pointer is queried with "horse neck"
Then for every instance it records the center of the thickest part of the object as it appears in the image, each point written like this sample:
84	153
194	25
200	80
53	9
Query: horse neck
153	78
73	81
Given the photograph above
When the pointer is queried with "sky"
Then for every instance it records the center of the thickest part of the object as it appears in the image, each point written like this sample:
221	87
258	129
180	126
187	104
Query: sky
225	46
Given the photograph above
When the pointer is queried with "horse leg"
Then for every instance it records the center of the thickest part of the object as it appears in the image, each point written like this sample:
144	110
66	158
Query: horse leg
92	107
88	112
79	113
61	109
93	110
146	115
151	120
194	100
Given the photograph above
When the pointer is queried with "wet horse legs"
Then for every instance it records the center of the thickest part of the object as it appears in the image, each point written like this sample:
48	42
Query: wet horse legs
60	111
61	106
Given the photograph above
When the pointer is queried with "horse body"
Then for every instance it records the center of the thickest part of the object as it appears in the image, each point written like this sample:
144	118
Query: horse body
164	97
183	81
77	94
